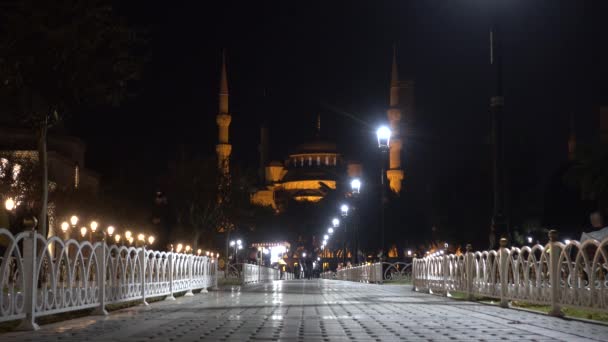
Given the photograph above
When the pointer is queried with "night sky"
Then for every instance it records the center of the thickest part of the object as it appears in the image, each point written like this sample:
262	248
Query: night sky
334	58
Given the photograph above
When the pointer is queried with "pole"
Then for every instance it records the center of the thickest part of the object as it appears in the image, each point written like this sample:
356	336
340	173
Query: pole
383	194
344	245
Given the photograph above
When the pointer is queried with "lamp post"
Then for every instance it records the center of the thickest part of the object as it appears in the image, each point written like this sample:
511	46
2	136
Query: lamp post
384	138
355	186
344	211
237	245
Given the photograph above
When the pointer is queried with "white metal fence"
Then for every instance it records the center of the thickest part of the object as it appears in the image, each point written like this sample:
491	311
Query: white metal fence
558	274
41	277
254	274
366	273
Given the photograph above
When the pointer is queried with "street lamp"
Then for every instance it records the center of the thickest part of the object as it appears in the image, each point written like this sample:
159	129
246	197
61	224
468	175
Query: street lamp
83	231
384	138
529	239
117	238
141	237
151	239
355	185
65	226
335	222
94	226
325	237
74	220
110	230
128	235
9	204
344	210
330	230
304	255
179	247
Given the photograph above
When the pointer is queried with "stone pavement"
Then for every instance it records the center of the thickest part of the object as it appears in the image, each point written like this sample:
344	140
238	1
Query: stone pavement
316	310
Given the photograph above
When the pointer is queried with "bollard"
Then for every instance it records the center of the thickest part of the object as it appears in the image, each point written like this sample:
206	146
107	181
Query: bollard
100	255
469	259
170	260
503	272
31	280
554	274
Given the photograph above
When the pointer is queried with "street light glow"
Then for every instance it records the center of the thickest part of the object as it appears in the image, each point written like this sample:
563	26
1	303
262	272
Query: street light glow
9	204
384	137
344	209
529	239
179	247
65	226
232	243
335	222
117	238
151	239
355	185
325	237
83	231
304	255
94	226
141	237
128	234
330	230
110	230
74	220
238	242
188	248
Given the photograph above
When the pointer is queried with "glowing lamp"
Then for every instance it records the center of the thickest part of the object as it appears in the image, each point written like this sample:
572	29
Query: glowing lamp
110	230
335	222
9	204
94	226
384	137
83	231
74	220
355	185
179	247
151	239
117	238
344	210
128	234
65	226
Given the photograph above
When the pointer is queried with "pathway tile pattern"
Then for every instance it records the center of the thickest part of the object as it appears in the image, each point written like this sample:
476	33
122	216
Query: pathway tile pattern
315	310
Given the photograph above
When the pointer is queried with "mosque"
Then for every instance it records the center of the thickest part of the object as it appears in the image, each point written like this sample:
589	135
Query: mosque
314	168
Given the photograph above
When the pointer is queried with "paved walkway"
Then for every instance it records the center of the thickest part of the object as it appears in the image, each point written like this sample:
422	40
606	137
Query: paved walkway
316	310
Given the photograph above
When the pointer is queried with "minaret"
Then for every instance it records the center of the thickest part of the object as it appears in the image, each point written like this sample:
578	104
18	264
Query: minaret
395	172
223	119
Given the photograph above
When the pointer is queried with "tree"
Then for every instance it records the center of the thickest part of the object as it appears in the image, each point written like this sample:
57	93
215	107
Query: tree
58	58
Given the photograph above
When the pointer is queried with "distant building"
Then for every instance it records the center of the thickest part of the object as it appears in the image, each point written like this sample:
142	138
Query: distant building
66	162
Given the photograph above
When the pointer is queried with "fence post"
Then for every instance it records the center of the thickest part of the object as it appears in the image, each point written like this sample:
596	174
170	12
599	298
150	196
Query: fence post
100	255
190	265
469	263
31	282
554	274
503	272
215	273
170	261
144	262
446	273
206	273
